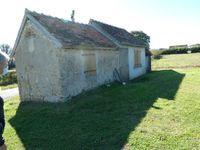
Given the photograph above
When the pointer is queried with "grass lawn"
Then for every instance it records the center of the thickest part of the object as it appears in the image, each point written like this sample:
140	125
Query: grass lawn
184	60
10	86
160	110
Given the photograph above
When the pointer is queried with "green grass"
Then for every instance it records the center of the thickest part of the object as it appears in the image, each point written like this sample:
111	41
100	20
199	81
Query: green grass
160	110
9	86
178	60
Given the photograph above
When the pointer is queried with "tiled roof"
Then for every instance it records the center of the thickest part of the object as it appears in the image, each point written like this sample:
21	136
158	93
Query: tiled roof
122	36
72	34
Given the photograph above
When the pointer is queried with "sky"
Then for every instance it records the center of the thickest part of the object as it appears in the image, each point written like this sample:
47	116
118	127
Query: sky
167	22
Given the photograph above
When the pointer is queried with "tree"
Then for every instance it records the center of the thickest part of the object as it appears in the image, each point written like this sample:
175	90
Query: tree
6	48
142	36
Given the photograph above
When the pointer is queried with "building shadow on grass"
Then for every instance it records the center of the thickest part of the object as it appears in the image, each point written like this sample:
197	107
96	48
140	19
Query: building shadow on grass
101	119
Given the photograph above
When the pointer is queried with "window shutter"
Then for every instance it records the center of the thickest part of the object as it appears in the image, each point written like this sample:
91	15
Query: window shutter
89	62
137	58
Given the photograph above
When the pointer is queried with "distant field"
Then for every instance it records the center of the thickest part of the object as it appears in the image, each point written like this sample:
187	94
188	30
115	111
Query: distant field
178	60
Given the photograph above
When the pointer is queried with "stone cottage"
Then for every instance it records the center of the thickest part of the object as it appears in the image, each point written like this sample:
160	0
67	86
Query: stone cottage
57	59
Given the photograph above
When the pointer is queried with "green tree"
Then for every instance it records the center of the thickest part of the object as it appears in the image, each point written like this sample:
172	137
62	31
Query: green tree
6	48
142	36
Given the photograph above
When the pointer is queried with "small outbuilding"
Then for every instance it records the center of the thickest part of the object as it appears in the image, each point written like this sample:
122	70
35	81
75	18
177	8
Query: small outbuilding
57	59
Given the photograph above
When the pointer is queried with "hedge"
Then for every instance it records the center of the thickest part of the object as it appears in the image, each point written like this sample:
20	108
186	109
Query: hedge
176	51
10	78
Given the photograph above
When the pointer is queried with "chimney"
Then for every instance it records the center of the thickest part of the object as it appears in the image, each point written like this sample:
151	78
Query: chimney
72	16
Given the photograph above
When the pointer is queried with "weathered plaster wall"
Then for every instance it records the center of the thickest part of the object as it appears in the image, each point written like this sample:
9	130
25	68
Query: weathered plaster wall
37	66
107	61
123	61
71	72
135	72
74	80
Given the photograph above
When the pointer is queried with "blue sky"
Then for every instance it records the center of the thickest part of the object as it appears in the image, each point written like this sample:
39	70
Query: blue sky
168	22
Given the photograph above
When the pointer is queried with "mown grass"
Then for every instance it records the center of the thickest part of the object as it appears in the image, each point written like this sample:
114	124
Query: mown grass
176	60
9	86
160	110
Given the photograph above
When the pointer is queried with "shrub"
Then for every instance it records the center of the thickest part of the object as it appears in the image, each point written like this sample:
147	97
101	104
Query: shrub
180	51
195	49
157	56
10	78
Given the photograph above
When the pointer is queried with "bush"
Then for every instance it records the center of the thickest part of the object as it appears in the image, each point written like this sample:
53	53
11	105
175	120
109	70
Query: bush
157	56
180	50
10	78
195	49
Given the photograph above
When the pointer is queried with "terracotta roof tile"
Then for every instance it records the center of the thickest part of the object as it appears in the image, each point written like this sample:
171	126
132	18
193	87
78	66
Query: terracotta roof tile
70	33
121	35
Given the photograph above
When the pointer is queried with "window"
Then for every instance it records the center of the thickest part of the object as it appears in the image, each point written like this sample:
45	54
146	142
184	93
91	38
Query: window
89	62
137	58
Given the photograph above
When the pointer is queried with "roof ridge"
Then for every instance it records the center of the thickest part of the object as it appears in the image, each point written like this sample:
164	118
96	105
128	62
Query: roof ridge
30	12
53	17
108	24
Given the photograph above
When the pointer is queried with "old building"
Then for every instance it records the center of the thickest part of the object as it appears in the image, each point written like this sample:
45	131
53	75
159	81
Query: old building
57	59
